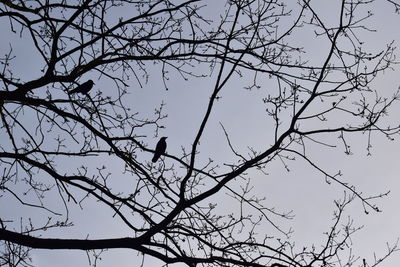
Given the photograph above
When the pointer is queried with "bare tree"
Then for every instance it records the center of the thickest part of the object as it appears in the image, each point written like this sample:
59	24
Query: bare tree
57	149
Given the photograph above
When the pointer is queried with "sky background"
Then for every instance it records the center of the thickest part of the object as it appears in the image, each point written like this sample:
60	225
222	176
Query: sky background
301	190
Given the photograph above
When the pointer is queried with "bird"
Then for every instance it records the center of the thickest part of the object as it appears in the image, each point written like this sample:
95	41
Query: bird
160	149
83	88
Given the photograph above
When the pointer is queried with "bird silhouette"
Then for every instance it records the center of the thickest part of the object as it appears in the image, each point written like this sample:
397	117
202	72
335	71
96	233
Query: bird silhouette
160	149
83	88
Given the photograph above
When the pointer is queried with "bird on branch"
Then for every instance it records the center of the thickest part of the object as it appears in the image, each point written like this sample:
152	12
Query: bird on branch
83	88
160	149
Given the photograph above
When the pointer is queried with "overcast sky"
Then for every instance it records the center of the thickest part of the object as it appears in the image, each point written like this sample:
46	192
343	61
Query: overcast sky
242	112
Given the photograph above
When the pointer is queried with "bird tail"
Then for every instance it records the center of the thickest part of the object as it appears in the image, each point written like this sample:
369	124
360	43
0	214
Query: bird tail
155	158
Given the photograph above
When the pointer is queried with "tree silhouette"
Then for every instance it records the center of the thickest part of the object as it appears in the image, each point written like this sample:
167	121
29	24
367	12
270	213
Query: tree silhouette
60	154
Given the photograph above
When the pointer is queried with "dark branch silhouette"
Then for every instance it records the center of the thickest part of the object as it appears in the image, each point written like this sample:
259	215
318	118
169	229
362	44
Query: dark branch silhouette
59	153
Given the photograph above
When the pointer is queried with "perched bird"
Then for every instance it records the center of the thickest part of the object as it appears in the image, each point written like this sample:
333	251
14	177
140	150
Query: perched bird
84	88
160	149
